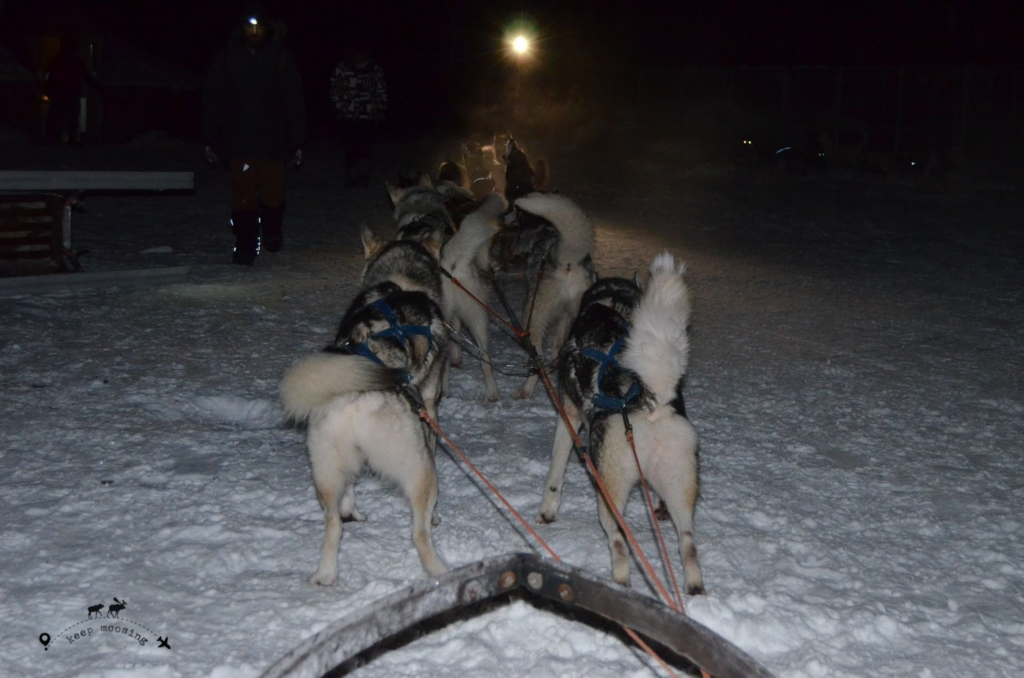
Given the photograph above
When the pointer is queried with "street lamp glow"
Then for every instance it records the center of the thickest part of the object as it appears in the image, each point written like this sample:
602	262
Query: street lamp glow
520	45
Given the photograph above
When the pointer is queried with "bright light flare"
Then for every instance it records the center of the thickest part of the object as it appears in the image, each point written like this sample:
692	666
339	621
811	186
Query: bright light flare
520	45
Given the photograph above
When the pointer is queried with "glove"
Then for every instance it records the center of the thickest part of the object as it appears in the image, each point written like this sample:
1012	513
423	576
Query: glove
297	160
211	157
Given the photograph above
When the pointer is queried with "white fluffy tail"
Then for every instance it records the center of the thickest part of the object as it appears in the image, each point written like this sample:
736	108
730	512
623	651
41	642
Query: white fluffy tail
313	381
576	233
658	349
474	235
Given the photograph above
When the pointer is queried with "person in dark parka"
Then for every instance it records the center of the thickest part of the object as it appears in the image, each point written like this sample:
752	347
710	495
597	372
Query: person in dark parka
254	119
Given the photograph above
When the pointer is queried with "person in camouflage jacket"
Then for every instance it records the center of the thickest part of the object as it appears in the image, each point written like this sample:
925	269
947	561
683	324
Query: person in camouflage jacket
360	99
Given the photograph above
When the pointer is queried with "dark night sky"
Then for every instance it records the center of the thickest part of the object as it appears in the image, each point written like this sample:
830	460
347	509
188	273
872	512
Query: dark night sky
705	32
440	47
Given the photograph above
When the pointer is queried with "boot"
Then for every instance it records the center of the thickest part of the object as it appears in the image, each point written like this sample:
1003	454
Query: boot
246	228
271	221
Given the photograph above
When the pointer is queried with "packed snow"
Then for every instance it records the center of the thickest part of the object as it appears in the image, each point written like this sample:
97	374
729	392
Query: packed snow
855	380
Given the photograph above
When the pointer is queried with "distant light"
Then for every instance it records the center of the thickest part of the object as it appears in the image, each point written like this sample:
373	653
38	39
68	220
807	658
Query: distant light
253	21
520	45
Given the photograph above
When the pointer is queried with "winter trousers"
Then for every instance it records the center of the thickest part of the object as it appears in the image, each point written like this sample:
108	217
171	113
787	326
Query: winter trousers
257	197
359	137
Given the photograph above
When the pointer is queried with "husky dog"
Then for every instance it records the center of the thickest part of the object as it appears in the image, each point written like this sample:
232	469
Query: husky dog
453	172
553	239
519	173
481	182
458	200
360	395
498	145
466	256
601	386
423	213
473	160
420	212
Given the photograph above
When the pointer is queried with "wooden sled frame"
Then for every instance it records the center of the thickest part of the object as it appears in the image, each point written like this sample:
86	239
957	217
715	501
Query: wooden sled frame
538	581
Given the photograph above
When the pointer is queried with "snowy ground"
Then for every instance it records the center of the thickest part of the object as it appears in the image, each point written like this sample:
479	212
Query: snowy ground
855	379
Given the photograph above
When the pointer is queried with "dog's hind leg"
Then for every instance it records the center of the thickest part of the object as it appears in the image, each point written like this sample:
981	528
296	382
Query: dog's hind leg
618	484
335	468
455	348
673	475
406	460
476	323
537	339
556	473
446	376
422	494
348	505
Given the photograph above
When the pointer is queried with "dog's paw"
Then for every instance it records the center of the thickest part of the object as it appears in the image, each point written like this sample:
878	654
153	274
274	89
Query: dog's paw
324	578
435	520
521	395
354	517
695	590
456	361
546	518
492	397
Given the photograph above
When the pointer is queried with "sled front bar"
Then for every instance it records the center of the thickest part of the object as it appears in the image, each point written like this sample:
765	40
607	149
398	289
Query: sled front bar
535	578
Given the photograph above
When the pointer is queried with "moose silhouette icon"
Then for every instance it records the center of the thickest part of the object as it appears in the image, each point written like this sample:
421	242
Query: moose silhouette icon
113	610
95	609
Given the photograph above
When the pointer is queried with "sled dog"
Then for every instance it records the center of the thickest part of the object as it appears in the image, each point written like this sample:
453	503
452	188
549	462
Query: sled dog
423	212
453	172
360	395
420	212
458	200
481	182
466	257
519	173
626	356
547	236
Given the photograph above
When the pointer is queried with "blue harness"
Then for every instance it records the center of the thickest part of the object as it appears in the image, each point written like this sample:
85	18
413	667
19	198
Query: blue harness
603	400
396	330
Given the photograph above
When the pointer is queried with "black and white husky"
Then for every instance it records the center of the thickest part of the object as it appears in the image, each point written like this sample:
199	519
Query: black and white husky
626	354
420	211
361	394
425	213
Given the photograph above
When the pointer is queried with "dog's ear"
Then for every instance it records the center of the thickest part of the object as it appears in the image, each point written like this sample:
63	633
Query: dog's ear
371	243
434	242
636	280
425	181
394	191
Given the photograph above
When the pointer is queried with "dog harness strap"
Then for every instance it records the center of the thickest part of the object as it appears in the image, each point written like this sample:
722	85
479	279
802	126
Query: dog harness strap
362	350
603	400
397	329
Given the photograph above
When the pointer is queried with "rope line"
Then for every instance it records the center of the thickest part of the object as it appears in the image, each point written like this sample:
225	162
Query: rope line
453	448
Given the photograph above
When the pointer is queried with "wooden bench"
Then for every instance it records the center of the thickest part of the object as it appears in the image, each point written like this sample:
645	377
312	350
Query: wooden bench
35	211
